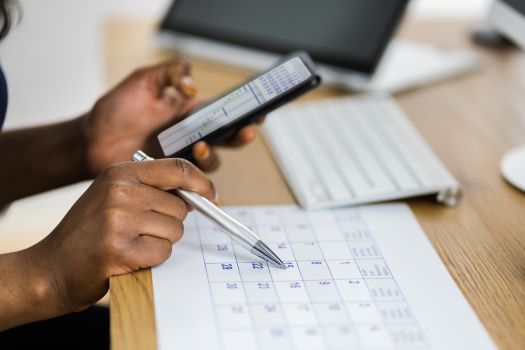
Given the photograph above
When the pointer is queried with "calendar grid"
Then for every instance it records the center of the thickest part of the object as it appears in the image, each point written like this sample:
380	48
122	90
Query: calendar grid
218	334
250	313
391	278
346	242
338	291
302	278
335	292
285	321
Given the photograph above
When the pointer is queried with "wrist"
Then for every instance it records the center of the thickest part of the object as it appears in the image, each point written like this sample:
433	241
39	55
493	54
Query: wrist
78	146
56	152
90	141
29	289
46	280
64	158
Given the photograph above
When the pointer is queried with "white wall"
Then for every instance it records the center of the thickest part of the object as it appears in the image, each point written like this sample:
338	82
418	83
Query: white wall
53	58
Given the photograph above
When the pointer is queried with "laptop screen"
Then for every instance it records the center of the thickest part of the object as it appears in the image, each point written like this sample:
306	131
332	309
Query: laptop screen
346	33
518	5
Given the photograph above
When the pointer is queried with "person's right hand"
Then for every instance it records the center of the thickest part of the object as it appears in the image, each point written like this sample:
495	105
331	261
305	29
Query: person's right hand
125	221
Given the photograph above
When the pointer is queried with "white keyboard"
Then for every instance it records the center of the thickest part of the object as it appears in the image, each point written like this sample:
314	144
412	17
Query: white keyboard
354	150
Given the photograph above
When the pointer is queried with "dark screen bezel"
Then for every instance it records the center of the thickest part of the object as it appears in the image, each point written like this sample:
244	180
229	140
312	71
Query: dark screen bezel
357	65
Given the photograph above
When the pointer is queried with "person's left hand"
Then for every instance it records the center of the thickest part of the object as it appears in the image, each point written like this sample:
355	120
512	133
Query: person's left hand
130	115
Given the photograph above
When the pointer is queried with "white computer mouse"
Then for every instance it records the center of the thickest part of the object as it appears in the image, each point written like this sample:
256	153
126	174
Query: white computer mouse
513	167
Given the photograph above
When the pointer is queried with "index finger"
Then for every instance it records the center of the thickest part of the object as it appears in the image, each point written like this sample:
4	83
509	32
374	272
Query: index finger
170	173
177	73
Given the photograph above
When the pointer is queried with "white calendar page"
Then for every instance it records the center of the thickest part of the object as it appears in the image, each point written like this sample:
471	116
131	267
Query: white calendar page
356	278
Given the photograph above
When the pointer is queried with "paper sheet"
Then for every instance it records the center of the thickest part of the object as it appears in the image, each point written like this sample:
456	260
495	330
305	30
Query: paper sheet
356	278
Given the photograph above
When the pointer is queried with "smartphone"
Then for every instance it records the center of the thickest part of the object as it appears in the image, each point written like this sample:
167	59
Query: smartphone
220	119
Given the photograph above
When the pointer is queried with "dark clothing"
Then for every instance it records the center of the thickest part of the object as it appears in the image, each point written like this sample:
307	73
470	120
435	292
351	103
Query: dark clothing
3	98
88	329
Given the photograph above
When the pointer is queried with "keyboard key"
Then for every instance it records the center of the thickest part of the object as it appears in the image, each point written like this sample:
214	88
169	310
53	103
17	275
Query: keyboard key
411	152
333	184
346	129
310	187
342	158
352	150
391	161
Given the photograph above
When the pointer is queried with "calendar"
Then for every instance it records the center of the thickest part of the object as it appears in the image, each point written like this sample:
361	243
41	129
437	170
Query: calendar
355	278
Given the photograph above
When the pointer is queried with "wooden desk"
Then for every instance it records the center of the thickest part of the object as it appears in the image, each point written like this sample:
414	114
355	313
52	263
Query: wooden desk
469	122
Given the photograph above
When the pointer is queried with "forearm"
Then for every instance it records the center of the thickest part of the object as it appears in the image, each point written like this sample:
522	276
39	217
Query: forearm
27	291
38	159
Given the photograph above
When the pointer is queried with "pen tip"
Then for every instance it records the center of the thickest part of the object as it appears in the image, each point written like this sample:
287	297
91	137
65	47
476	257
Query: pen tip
263	251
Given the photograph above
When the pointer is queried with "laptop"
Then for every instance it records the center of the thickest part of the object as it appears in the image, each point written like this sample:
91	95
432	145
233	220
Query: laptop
349	39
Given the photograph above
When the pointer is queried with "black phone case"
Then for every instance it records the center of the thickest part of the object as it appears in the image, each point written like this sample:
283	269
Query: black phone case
227	131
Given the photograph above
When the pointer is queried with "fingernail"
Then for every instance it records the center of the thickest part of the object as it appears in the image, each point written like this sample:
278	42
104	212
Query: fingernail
188	85
203	151
169	93
250	135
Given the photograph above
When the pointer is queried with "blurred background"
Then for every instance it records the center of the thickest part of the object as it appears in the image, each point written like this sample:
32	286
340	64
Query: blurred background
55	66
61	42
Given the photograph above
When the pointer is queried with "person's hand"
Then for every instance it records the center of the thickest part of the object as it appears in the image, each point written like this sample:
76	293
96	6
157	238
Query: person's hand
125	221
130	116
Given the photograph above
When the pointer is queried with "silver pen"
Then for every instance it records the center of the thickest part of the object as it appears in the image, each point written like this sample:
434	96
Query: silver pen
237	231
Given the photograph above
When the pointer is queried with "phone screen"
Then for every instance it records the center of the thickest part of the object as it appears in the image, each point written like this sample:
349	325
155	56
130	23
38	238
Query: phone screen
234	105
